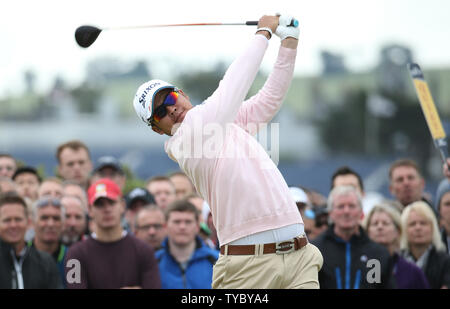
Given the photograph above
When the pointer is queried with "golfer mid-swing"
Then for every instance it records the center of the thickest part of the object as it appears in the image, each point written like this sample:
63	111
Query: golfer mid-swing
260	230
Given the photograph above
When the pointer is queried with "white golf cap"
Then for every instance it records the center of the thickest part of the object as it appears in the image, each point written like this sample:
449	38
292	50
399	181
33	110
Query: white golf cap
299	195
205	211
143	100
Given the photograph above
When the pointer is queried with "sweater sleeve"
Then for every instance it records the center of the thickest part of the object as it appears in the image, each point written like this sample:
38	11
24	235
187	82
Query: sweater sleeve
263	106
223	105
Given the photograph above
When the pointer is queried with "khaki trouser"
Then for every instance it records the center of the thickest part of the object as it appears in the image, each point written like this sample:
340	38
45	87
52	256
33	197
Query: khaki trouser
295	270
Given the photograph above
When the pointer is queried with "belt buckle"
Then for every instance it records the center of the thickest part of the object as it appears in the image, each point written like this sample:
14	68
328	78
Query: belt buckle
284	247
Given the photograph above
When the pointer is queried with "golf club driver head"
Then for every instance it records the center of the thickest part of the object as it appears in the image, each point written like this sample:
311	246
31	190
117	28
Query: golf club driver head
86	35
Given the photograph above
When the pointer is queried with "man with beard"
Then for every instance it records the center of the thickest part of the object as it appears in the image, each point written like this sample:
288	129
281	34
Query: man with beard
76	219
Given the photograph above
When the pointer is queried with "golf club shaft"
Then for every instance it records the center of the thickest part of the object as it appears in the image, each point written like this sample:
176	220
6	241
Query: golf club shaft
247	23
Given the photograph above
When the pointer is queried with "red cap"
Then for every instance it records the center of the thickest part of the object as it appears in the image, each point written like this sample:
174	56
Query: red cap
103	188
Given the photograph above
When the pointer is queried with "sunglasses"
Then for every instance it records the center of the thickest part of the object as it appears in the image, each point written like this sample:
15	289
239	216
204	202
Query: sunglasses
148	226
161	111
46	201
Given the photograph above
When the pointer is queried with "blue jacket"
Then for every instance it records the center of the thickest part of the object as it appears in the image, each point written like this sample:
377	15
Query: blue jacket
198	273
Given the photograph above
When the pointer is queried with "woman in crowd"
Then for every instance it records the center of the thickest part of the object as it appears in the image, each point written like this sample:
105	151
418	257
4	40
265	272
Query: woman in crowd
383	225
421	244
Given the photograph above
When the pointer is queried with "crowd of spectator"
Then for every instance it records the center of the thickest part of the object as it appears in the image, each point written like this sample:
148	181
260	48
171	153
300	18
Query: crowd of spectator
80	229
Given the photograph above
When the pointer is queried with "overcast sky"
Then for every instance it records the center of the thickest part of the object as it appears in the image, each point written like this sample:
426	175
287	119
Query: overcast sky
39	35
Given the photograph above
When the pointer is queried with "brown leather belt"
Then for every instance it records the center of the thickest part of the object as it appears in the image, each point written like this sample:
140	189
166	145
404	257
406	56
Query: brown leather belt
281	247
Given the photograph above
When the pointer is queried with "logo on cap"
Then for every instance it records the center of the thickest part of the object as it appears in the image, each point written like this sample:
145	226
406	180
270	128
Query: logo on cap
103	188
100	190
146	91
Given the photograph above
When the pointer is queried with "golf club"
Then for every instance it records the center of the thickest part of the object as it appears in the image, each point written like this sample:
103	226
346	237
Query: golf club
86	35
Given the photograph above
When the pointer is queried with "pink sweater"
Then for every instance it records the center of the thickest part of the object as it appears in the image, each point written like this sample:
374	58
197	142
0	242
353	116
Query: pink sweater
229	168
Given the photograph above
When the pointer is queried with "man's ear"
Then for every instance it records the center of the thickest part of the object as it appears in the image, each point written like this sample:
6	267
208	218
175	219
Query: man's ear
157	130
391	189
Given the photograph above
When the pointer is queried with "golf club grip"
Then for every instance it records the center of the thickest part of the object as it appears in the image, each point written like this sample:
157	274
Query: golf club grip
294	23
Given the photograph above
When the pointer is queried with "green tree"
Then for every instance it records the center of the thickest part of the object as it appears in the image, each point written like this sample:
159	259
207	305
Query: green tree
342	128
87	97
410	122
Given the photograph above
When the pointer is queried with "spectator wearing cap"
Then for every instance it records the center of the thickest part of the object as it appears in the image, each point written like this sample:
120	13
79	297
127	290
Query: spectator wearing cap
136	200
111	258
185	262
74	162
22	266
8	165
27	180
109	167
301	199
183	185
442	208
162	189
48	218
150	225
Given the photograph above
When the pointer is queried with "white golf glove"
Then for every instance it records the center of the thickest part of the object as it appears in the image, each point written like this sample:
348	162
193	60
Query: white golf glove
284	30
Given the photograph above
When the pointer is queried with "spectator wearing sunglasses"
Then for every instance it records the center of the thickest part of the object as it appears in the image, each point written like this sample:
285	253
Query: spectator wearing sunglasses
135	200
214	145
150	225
109	167
48	216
